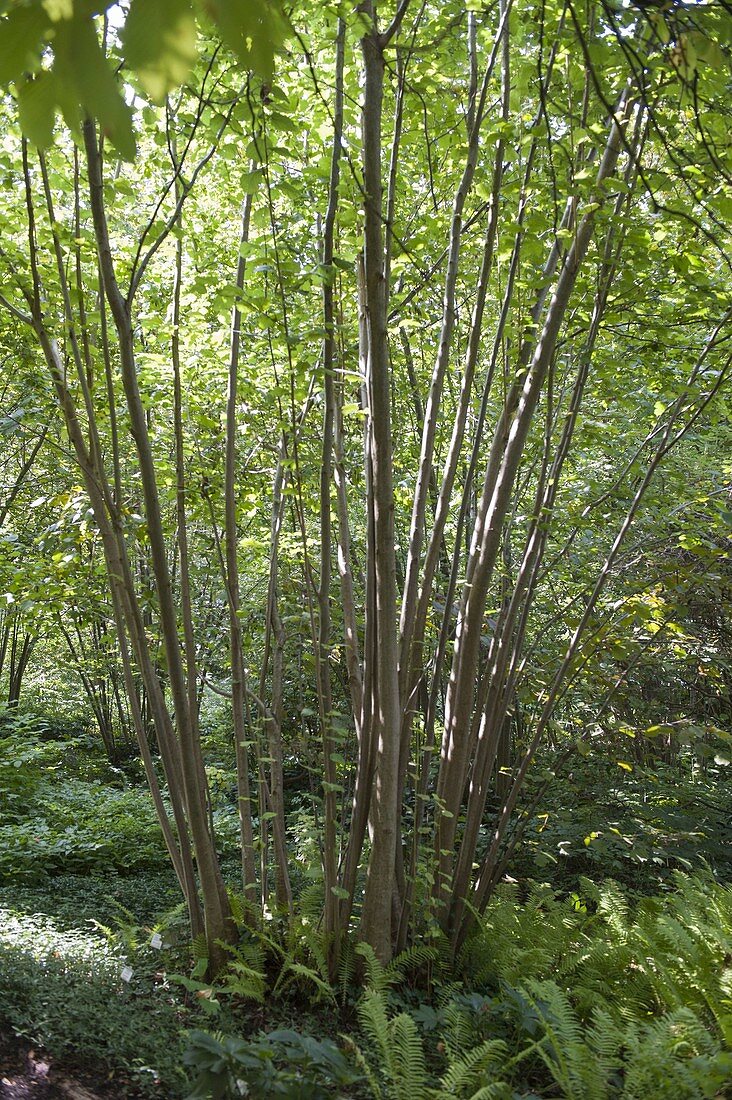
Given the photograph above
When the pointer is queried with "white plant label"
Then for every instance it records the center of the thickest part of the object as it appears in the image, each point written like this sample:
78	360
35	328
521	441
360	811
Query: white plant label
127	973
156	940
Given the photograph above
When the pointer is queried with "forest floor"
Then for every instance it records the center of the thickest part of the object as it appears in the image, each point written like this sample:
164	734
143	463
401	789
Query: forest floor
27	1073
99	991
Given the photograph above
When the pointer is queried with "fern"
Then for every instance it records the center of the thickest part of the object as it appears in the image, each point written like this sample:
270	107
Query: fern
398	1047
415	962
468	1072
310	903
365	1067
292	971
515	942
374	1021
245	975
375	976
346	968
459	1032
576	1068
170	917
673	1057
682	949
497	1090
199	948
314	945
244	910
407	1058
244	981
127	931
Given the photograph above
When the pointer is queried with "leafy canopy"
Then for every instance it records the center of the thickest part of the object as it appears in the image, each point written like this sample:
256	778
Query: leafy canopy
50	52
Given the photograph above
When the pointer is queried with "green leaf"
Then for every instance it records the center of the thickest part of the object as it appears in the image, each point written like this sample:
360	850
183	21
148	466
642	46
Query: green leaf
253	29
159	39
80	61
21	35
37	108
660	26
250	181
708	50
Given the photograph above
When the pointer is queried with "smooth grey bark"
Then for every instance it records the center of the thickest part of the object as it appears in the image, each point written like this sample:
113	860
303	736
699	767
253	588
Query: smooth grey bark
506	452
324	641
219	924
231	579
122	590
274	643
360	678
376	916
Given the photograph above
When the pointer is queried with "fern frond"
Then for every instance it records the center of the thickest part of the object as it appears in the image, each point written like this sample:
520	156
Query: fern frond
573	1065
366	1069
498	1090
291	971
671	1057
244	981
460	1032
170	916
468	1071
409	1070
373	1019
346	968
398	1046
310	902
414	957
199	946
376	977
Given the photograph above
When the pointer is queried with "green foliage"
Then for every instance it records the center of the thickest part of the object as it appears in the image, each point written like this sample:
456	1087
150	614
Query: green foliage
417	958
609	994
637	827
243	979
397	1047
583	997
159	42
282	1063
63	990
587	996
558	995
74	900
61	812
79	827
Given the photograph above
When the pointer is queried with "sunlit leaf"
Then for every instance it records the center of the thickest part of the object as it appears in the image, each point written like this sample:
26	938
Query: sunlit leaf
253	29
80	61
37	108
160	44
21	34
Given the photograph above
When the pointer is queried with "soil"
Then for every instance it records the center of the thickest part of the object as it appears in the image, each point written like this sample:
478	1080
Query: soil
27	1073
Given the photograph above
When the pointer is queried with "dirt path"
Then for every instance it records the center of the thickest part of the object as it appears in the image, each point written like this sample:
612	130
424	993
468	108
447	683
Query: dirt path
26	1074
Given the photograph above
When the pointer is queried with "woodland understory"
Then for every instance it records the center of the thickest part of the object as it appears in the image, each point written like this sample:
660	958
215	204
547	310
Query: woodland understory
365	528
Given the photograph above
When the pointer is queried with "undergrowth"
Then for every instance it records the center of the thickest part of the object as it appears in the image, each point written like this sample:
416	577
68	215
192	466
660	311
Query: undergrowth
583	988
638	827
587	998
65	990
